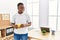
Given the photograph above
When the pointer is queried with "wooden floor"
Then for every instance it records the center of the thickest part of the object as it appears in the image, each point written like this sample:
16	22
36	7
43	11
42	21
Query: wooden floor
11	38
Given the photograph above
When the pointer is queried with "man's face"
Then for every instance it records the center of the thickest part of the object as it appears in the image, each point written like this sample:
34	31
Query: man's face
21	8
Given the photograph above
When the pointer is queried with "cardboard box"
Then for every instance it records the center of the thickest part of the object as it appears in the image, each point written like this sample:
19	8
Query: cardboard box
1	23
5	17
4	20
4	23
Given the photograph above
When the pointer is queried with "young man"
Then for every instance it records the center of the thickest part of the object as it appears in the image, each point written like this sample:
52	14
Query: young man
23	19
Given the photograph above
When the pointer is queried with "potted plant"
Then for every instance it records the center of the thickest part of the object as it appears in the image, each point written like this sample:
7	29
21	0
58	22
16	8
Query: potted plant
44	32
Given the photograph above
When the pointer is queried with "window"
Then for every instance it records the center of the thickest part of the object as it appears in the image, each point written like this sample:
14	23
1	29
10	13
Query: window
58	24
58	15
53	7
29	9
52	23
35	8
29	1
36	1
35	22
33	11
53	15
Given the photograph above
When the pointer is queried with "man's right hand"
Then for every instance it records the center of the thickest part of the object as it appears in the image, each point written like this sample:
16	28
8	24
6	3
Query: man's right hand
16	26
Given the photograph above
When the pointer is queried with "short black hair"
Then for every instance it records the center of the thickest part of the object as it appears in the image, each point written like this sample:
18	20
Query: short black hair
20	4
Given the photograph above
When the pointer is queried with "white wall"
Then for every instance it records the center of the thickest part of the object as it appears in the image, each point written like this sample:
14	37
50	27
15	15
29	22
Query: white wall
44	11
9	6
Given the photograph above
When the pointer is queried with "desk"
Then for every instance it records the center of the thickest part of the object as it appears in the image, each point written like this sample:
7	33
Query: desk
3	30
36	34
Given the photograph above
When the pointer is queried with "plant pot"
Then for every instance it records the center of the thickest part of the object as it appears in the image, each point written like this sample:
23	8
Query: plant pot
43	33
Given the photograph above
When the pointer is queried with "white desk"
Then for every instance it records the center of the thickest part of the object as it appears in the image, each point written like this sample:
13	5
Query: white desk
36	34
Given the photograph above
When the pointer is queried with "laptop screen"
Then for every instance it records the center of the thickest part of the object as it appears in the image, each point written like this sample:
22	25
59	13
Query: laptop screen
44	28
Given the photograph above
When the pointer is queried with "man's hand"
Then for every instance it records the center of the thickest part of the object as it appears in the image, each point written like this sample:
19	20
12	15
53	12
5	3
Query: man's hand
16	26
28	24
25	25
22	25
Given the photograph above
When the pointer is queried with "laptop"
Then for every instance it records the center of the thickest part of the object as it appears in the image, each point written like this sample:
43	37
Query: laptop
45	28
